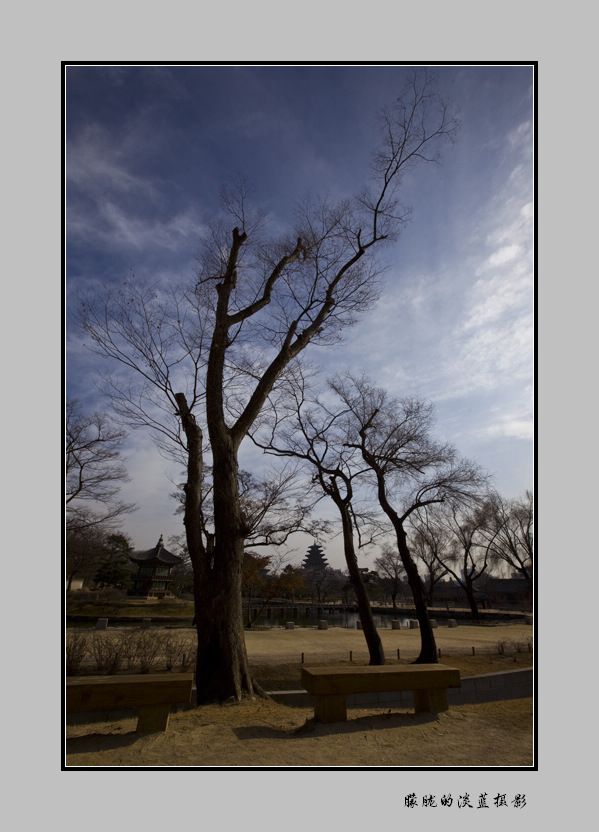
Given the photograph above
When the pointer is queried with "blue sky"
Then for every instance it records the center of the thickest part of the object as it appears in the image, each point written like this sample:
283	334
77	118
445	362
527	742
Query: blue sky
148	147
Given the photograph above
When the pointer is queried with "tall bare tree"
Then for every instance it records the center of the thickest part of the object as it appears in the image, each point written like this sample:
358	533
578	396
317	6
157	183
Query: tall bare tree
259	303
312	432
411	471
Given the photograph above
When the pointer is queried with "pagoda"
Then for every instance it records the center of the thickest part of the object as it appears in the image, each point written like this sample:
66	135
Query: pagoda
154	572
315	558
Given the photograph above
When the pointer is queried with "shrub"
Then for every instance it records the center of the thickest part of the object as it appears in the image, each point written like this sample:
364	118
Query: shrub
517	646
76	650
179	652
187	654
150	648
108	649
130	640
171	651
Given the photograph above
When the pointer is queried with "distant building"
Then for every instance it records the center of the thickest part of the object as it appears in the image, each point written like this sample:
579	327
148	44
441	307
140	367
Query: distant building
154	572
315	558
514	591
489	592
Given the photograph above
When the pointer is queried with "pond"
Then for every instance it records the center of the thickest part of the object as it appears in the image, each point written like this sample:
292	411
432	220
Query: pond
309	617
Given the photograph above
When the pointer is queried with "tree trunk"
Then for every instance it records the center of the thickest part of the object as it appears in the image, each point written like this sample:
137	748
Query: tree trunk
248	619
469	590
428	647
222	670
373	640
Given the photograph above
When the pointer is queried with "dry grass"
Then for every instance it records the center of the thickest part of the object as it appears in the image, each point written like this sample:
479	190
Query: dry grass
267	734
287	676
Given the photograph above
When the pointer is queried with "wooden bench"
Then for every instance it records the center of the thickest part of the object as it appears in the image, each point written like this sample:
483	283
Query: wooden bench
152	694
330	685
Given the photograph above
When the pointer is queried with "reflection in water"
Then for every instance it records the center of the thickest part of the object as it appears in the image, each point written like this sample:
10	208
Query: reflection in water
309	617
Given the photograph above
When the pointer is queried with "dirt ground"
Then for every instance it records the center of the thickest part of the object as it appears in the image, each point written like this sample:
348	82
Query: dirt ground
265	734
279	644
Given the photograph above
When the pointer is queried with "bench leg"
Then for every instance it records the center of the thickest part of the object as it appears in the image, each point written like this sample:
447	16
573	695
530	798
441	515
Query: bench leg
153	718
330	708
430	701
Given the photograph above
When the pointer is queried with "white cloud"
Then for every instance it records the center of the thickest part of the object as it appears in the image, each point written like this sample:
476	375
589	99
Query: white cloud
500	296
521	137
492	355
511	428
527	211
515	422
503	255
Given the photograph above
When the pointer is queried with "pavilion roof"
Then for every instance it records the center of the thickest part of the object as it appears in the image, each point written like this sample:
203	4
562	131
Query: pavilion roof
156	555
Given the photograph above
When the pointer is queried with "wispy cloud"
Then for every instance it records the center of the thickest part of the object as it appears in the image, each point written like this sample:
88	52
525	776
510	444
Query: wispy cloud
107	203
109	223
515	421
511	427
495	339
90	167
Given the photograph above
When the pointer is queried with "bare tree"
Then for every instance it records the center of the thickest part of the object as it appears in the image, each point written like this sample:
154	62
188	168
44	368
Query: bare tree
511	533
390	566
324	584
411	471
94	470
469	556
311	432
277	505
429	541
259	304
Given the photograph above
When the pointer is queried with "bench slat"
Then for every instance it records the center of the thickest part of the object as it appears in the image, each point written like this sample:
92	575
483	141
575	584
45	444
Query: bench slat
98	693
371	679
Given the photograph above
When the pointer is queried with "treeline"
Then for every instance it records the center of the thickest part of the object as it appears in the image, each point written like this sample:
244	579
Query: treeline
462	557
